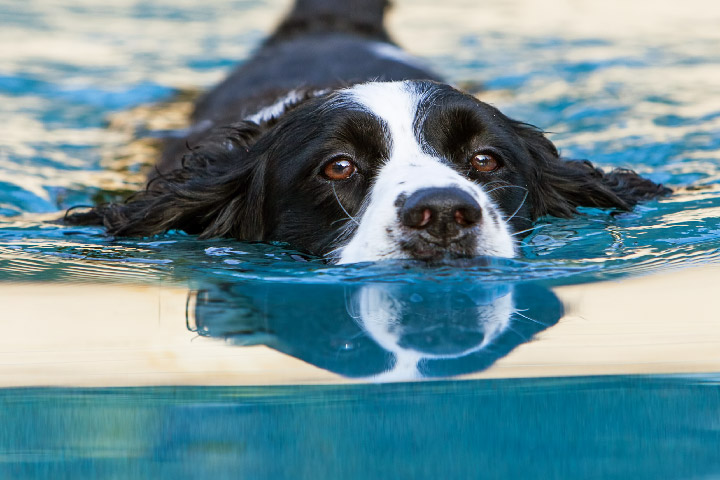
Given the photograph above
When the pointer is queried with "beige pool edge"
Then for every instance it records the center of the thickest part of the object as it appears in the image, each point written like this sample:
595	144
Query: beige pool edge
124	335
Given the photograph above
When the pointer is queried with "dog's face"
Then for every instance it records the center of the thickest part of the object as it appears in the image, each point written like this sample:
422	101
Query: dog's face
376	171
397	170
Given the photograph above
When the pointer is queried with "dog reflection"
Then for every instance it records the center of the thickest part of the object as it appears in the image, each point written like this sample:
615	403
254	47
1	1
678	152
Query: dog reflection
382	332
439	324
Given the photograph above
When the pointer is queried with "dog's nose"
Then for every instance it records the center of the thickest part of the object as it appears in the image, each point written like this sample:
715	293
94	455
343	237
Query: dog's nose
444	213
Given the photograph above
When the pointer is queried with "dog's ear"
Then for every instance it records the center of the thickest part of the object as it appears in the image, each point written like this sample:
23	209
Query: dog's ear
217	192
559	186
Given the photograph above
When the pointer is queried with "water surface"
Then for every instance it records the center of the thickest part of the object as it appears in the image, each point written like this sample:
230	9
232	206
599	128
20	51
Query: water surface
78	81
86	89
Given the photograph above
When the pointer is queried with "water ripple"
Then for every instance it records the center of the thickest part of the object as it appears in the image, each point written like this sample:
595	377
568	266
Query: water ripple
642	95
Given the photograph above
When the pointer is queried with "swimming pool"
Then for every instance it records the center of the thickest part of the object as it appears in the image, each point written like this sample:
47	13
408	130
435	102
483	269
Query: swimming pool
87	89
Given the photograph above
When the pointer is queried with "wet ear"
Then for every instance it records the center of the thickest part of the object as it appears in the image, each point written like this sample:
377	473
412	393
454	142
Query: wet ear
560	186
217	192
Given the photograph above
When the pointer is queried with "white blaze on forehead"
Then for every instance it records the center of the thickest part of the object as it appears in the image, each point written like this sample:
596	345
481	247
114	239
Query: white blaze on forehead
395	104
408	166
407	170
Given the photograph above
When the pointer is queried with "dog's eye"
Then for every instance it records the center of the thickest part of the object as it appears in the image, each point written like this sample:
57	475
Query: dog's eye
484	162
340	168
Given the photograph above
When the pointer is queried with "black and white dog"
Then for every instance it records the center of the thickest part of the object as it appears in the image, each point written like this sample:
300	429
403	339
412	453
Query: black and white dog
334	140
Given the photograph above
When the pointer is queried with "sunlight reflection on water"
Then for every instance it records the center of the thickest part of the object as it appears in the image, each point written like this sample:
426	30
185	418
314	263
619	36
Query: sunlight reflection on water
88	86
616	82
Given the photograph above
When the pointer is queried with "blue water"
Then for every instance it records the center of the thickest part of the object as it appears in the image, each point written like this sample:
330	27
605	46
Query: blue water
590	428
87	86
79	84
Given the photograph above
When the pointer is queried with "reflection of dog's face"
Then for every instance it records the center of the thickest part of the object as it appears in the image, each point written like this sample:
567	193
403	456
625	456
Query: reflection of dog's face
431	325
381	331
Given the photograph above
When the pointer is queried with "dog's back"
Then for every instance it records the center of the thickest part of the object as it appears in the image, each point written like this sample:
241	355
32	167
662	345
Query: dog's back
321	44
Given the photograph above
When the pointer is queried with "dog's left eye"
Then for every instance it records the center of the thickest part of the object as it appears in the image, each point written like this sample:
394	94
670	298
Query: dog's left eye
340	168
485	162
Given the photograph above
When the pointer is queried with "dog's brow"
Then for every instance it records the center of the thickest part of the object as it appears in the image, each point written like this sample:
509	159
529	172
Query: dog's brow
394	104
348	101
424	108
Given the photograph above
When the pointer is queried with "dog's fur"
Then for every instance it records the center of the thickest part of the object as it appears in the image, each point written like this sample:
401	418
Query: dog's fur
329	90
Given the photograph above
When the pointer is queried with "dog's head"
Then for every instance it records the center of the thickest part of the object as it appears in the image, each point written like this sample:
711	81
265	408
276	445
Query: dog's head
411	169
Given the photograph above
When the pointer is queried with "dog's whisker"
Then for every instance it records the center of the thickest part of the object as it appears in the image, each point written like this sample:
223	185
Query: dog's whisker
495	182
519	207
507	186
343	208
343	234
536	227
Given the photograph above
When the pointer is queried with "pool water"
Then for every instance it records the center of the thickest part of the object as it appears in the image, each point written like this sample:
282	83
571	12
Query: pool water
630	427
88	88
78	81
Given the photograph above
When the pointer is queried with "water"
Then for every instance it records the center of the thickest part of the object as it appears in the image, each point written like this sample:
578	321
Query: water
631	427
86	88
78	82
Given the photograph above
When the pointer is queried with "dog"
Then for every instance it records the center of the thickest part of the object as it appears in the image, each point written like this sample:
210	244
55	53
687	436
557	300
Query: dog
335	141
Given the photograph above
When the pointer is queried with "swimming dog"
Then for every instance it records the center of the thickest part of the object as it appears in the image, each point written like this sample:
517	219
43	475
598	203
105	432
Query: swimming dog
333	139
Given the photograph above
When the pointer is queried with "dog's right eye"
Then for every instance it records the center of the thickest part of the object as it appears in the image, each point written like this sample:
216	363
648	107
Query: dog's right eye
340	168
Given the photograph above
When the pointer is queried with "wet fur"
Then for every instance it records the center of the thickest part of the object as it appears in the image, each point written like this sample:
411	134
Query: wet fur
219	192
